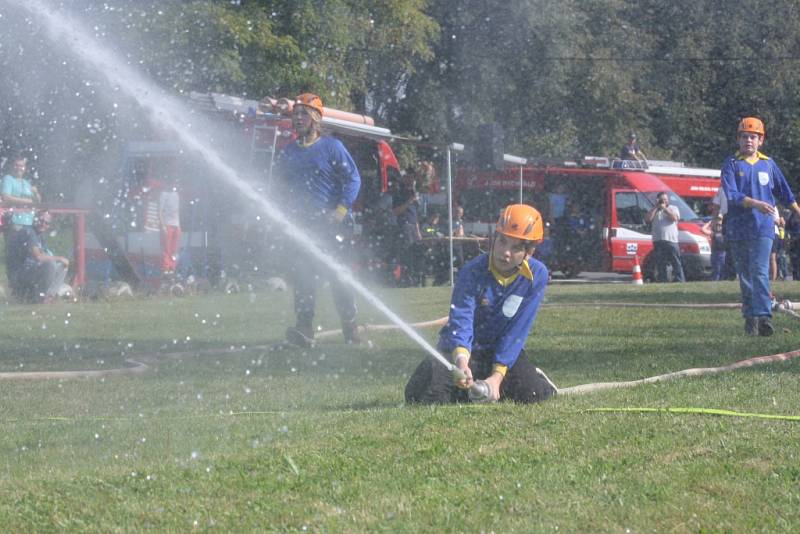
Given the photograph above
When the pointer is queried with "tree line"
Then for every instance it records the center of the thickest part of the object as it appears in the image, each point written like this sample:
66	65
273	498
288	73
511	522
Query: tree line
564	78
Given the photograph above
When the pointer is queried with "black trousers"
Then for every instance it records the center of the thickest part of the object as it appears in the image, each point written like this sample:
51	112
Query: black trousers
668	253
432	382
310	271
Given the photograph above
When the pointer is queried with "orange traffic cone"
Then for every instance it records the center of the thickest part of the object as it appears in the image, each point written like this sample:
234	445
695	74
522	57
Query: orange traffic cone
637	272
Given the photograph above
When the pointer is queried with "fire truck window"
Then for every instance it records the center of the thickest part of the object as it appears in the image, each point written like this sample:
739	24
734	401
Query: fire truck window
631	210
365	154
686	211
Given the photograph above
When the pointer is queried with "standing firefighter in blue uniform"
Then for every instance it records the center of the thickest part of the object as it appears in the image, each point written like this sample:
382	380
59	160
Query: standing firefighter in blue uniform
320	182
753	184
493	307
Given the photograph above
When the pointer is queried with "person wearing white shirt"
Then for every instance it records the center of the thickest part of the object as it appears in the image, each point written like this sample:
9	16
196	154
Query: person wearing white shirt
664	220
169	221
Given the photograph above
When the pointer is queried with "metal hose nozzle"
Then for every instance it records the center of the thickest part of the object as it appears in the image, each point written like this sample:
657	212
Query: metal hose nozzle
480	392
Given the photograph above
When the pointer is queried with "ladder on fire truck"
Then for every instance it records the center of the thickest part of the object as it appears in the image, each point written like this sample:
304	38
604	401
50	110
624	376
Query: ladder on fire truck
243	107
334	121
338	121
677	168
256	146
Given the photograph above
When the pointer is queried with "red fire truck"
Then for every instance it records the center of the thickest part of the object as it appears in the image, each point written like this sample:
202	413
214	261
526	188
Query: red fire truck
697	186
595	212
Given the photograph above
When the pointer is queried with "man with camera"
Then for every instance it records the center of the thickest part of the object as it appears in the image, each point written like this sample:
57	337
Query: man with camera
663	219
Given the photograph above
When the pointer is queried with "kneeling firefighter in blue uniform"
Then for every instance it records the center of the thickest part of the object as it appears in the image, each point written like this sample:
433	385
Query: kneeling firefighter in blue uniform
492	310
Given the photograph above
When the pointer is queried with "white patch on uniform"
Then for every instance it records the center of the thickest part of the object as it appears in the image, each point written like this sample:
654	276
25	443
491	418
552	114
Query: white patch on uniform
511	305
763	177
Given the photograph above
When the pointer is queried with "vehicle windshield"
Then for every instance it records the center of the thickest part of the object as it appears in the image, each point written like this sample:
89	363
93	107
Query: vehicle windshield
687	213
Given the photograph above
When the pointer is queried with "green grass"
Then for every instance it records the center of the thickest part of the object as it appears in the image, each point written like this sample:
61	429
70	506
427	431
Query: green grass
290	440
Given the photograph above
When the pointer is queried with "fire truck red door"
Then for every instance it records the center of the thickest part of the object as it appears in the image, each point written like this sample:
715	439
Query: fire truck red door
628	233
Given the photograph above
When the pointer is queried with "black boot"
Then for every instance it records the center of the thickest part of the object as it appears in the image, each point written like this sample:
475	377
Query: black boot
350	331
300	336
765	328
751	326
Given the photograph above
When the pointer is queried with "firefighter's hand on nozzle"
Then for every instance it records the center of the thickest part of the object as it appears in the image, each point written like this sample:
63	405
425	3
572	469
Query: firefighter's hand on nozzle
462	374
494	381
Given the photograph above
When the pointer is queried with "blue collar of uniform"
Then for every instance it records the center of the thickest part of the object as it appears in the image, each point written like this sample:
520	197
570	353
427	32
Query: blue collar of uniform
524	270
760	155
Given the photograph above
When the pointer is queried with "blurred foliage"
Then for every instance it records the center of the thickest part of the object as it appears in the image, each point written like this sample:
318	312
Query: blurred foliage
564	78
569	78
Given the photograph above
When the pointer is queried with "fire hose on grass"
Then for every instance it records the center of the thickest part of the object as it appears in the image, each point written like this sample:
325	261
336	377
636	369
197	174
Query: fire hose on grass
480	391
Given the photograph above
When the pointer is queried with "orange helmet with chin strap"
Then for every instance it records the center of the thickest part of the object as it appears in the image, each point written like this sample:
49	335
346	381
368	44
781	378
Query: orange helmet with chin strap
522	222
751	125
309	100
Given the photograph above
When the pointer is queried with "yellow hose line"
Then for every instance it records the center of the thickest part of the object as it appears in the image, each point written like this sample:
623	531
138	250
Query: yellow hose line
612	409
700	411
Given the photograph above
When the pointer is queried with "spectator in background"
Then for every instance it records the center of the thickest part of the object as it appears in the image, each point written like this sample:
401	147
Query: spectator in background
777	249
793	245
752	183
405	207
719	208
458	222
430	227
631	151
714	231
578	231
435	253
35	273
783	257
458	231
169	223
558	202
18	193
545	251
663	219
382	233
719	204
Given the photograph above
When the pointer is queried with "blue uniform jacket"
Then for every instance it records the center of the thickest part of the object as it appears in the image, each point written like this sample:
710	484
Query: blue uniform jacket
322	174
487	315
762	180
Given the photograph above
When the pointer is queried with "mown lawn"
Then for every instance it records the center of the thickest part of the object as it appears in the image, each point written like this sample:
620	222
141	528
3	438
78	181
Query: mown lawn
225	433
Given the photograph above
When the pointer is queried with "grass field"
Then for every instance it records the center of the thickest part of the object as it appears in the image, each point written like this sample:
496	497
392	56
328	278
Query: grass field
254	439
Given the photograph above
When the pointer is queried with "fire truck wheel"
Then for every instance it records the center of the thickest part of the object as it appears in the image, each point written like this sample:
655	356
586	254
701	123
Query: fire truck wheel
692	269
570	271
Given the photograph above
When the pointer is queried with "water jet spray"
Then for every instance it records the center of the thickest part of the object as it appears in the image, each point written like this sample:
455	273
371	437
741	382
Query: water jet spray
169	112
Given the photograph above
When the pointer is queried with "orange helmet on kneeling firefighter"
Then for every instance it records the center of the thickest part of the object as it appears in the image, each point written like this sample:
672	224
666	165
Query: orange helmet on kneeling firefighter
522	222
751	125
